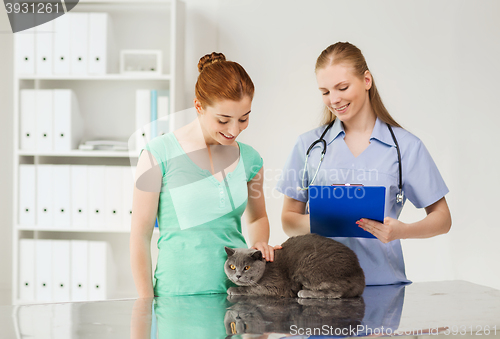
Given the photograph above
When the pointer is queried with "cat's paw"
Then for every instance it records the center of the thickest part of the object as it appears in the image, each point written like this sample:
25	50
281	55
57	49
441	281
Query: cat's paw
234	291
305	294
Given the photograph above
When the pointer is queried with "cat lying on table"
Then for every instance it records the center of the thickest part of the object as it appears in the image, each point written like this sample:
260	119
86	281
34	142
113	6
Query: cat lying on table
307	266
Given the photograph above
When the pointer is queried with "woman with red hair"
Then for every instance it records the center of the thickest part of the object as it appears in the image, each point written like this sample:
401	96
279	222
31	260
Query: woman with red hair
198	181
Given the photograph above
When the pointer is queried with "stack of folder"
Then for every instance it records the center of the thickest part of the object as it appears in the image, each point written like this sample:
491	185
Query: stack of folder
76	197
49	120
65	270
152	116
74	43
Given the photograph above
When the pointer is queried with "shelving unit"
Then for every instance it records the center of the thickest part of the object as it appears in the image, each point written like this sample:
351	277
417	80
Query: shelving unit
107	105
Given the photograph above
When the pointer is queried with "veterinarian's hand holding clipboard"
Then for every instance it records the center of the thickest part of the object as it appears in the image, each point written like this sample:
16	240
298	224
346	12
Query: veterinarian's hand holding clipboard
335	209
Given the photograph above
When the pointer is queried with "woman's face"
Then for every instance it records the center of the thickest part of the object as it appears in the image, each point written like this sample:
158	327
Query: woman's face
225	120
344	94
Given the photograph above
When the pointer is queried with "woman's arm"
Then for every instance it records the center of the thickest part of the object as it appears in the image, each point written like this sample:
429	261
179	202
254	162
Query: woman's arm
258	223
293	217
144	208
437	221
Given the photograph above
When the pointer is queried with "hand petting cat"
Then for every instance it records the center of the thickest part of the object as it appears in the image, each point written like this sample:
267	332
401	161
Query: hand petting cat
266	249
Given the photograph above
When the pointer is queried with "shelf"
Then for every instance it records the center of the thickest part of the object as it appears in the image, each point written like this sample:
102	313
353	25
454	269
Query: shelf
76	230
77	153
115	77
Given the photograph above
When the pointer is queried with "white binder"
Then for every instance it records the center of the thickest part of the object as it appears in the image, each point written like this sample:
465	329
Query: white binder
28	120
79	196
62	196
62	44
24	54
62	321
43	270
44	196
44	120
96	184
128	191
44	48
27	270
142	118
98	40
61	270
79	270
101	270
113	197
26	321
68	123
164	123
79	25
27	185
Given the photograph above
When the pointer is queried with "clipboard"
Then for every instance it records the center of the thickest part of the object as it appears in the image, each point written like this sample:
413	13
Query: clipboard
334	210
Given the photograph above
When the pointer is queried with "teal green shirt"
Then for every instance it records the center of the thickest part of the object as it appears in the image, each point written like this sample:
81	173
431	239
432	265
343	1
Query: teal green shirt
197	217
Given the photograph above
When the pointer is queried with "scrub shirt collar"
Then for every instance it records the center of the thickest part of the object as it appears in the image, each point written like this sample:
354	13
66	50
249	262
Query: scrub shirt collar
380	132
335	131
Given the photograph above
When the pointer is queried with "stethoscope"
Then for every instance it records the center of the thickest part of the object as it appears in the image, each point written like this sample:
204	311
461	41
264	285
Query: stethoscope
399	196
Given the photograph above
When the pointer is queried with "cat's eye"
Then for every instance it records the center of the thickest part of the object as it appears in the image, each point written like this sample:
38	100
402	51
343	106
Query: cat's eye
232	267
247	267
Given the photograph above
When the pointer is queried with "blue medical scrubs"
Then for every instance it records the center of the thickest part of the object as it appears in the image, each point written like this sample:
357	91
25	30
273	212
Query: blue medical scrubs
377	166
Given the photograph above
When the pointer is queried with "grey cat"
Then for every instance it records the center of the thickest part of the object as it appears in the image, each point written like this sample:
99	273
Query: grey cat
307	266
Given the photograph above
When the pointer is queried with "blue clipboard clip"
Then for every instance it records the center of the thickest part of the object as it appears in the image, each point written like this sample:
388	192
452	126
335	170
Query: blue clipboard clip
335	209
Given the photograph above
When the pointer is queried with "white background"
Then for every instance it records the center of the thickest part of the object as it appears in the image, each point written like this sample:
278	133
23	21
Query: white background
435	63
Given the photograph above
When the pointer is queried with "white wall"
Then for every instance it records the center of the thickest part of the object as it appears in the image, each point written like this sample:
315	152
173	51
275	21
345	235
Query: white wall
433	63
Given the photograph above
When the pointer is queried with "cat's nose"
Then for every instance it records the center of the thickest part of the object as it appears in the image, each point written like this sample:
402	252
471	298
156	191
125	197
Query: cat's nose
238	276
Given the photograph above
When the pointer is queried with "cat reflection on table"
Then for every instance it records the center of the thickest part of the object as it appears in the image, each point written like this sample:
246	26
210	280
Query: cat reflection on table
307	266
263	314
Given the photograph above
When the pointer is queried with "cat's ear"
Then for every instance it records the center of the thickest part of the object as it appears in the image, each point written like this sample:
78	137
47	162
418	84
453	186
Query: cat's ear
229	251
257	255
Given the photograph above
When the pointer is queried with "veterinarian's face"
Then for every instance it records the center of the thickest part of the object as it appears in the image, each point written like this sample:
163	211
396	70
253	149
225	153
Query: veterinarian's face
225	120
343	93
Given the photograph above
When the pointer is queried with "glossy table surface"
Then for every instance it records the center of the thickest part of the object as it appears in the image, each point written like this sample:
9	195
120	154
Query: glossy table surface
454	308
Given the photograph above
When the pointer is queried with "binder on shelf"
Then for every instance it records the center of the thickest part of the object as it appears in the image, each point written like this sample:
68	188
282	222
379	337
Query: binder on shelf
44	118
44	196
44	48
142	118
96	184
62	196
60	270
26	321
152	115
128	191
165	122
43	270
62	43
27	120
79	26
68	123
27	270
98	43
101	270
113	197
24	53
27	183
79	270
79	196
154	112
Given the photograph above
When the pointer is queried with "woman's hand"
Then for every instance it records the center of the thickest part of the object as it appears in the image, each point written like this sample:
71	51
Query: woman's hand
390	230
267	250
